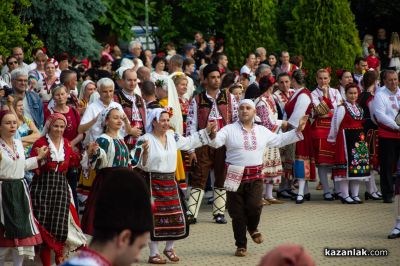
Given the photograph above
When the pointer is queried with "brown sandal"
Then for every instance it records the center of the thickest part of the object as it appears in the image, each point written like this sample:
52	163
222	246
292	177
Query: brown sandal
257	237
171	255
157	260
240	252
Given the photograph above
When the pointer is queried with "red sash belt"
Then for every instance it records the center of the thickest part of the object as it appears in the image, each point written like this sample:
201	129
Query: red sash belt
387	132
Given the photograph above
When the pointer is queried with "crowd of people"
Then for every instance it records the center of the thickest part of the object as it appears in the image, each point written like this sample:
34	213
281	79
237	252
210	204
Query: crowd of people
185	127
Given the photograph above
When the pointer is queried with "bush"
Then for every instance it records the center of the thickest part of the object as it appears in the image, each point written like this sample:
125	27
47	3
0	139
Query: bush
325	33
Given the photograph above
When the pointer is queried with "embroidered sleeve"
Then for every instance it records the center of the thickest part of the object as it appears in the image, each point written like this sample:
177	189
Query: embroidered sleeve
235	114
101	153
263	114
176	137
192	118
322	108
335	123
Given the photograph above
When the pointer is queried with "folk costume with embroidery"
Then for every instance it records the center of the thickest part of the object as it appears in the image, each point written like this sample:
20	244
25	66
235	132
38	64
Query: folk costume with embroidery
52	197
111	155
135	109
92	111
169	215
19	229
324	108
298	106
267	112
177	121
386	106
203	109
244	150
351	149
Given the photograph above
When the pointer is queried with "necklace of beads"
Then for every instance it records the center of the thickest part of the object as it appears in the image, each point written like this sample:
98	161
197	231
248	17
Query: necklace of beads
355	111
12	154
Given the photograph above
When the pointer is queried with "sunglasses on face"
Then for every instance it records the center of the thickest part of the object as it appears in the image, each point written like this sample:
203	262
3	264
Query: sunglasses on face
13	63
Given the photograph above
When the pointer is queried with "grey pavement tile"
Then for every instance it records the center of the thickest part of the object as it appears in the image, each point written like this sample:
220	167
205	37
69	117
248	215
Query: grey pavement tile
315	225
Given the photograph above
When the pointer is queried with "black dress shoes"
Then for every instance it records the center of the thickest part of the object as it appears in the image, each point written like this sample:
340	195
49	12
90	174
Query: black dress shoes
191	219
220	219
327	198
393	236
299	201
347	200
387	200
373	196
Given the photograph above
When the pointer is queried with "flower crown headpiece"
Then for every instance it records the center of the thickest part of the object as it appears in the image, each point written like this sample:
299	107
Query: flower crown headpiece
169	110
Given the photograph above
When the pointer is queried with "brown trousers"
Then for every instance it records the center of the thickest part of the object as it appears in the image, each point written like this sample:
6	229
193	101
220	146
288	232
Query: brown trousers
208	158
244	207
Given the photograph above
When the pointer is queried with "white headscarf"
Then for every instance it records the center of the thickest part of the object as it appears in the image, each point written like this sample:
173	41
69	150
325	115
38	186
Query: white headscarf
83	88
103	115
151	115
176	121
247	101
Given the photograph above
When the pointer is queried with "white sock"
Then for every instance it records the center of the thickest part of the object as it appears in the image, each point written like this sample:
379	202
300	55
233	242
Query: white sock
169	245
354	188
336	186
344	189
17	259
3	252
373	180
369	186
396	225
302	184
268	191
323	177
153	245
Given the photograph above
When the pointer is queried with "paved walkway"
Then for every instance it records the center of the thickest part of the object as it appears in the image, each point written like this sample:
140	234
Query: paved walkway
315	225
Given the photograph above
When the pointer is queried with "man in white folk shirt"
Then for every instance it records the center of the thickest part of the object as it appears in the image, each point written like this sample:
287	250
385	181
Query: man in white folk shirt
245	143
386	106
90	124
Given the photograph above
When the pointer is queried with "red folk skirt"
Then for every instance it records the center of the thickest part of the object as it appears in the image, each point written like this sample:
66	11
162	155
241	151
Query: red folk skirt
352	155
304	163
324	151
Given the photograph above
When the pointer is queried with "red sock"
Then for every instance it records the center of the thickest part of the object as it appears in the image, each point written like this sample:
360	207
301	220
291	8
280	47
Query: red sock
45	256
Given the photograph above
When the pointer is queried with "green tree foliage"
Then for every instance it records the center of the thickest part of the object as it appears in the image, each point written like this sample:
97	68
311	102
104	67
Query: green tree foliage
14	31
179	20
67	25
121	15
325	33
248	25
285	15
